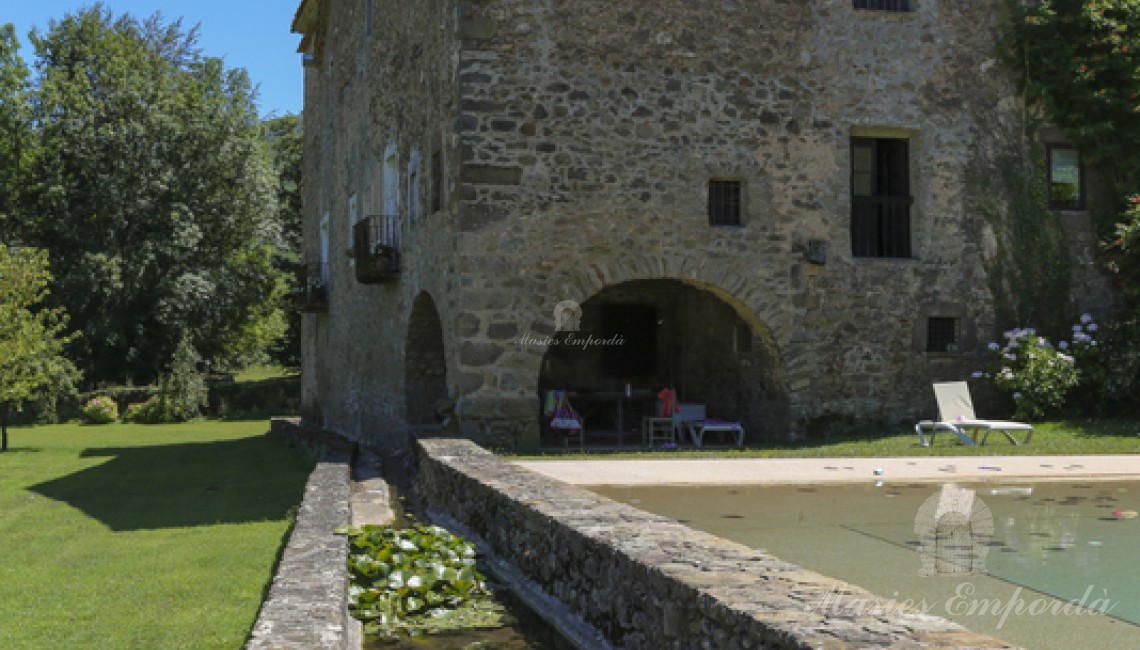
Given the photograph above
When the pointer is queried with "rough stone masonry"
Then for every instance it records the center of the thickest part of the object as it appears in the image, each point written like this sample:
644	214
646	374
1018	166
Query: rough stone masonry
533	152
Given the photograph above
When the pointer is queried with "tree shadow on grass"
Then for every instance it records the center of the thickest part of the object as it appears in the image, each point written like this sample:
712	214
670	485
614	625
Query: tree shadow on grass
194	484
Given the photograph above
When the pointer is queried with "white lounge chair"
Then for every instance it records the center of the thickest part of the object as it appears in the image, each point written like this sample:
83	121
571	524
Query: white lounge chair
956	415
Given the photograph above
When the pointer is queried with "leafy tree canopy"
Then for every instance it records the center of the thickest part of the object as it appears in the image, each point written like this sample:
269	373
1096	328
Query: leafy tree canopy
152	187
32	338
14	124
286	145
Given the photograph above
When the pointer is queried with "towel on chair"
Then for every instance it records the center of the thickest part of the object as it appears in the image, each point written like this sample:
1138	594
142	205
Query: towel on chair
667	403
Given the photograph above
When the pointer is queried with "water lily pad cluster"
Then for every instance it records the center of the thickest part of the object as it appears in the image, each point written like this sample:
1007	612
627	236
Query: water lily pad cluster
413	581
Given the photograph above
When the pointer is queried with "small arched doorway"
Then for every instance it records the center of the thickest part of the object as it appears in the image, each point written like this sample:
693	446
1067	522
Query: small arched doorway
653	334
425	366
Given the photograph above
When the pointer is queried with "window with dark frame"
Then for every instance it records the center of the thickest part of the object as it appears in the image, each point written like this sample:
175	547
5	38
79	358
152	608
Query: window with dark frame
1066	177
726	202
942	334
880	197
884	5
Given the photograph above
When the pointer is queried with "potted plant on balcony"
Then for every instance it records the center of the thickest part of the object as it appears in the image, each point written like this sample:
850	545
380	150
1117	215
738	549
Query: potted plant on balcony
383	256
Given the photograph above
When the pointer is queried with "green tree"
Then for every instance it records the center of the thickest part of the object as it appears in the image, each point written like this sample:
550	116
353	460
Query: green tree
15	128
286	146
154	190
32	338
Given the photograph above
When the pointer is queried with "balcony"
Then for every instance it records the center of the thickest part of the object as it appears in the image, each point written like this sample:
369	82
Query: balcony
376	249
312	293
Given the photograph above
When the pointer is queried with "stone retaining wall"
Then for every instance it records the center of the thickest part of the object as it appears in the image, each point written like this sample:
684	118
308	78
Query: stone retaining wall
646	581
306	608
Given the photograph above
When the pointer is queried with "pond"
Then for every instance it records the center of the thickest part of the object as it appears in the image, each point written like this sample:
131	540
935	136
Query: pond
1028	549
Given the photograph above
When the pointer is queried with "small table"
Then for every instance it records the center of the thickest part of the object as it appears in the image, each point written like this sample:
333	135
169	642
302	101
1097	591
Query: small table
616	398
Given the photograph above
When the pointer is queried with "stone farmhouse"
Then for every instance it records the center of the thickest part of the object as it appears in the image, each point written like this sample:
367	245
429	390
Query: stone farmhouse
770	206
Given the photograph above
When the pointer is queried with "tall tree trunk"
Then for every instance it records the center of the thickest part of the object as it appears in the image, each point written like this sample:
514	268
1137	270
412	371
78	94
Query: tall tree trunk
4	413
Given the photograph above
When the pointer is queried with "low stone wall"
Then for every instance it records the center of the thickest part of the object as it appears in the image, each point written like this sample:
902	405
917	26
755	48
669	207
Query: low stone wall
646	581
306	608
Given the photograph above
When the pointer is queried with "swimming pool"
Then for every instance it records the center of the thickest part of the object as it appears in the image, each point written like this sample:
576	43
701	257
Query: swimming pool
1047	544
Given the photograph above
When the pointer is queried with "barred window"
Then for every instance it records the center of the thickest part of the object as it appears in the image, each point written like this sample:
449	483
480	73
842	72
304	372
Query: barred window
942	334
884	5
725	202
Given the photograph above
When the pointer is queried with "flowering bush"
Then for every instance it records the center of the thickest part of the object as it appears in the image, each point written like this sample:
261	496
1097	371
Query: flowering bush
1110	371
152	411
1035	373
101	410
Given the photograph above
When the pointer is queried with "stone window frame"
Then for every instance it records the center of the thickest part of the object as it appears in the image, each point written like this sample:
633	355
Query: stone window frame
1082	184
967	336
352	216
323	246
741	200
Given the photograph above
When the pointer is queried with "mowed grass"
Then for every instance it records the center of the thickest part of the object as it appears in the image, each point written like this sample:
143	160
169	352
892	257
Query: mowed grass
1049	438
140	536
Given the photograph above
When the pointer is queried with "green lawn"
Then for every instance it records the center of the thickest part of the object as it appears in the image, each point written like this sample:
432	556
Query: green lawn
263	372
140	536
1050	438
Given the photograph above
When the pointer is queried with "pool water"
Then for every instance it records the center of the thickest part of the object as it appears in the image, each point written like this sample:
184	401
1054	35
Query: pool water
1050	543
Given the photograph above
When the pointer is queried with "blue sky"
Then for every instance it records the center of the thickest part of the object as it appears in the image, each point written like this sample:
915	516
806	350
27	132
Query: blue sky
250	34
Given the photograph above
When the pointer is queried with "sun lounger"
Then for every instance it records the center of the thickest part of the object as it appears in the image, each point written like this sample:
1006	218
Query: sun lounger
956	415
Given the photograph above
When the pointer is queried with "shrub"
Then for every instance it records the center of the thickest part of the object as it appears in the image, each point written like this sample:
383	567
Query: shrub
1110	371
184	392
1036	374
152	411
101	410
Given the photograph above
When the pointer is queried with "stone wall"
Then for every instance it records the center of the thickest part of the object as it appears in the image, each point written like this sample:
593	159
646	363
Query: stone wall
645	581
307	604
575	143
590	130
375	98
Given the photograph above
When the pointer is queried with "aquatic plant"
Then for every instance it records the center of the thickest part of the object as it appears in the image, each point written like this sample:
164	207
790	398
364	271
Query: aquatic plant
415	581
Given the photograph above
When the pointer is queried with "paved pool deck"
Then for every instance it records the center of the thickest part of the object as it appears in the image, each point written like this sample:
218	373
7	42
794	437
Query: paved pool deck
759	471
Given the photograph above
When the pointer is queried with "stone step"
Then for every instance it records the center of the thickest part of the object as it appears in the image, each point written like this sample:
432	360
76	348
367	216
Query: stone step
371	496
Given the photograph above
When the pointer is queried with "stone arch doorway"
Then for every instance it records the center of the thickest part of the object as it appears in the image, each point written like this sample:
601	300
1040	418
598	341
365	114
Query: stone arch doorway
658	333
425	365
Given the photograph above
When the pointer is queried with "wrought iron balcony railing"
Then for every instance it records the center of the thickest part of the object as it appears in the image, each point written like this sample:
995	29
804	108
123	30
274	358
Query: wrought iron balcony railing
376	248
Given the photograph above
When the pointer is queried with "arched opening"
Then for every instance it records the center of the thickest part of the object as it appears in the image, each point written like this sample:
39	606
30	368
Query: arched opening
656	334
425	368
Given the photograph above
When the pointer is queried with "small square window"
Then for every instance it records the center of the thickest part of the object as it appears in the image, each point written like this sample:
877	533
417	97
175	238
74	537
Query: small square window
1066	178
725	202
943	335
884	5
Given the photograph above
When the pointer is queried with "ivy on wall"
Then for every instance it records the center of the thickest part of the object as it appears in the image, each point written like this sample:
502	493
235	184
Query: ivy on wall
1079	62
1030	274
